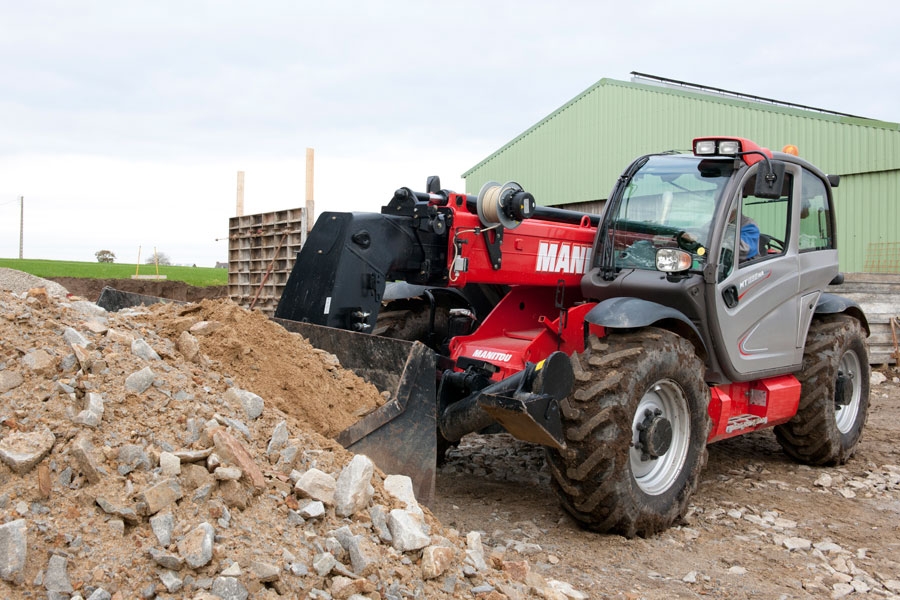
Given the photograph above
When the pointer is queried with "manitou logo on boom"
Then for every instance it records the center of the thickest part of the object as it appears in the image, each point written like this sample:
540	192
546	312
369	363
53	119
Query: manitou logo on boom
555	257
489	355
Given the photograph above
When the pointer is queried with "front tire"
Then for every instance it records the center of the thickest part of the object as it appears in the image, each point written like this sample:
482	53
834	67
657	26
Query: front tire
834	394
636	427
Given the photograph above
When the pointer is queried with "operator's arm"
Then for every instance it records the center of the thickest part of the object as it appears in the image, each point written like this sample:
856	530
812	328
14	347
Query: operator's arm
749	240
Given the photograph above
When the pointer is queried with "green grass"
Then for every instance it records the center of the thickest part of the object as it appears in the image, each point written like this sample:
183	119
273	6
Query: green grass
196	276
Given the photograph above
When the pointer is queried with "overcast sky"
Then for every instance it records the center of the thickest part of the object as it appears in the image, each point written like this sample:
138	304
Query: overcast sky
123	124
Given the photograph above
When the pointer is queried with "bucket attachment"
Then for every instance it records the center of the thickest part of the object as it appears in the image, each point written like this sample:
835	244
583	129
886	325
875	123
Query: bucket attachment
401	435
115	300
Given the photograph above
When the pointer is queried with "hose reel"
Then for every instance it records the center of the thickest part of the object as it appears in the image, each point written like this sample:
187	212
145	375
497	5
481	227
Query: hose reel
507	205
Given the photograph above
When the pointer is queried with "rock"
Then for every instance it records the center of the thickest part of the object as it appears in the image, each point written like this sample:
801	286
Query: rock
824	480
795	543
475	551
353	489
169	464
232	570
379	522
56	579
435	561
317	485
253	404
737	570
691	577
139	381
877	378
93	411
323	563
841	589
21	451
235	452
343	588
566	590
100	594
82	451
73	337
155	498
10	380
279	439
163	524
13	550
406	531
197	546
312	509
142	349
227	473
123	512
131	457
171	580
264	572
40	362
189	347
203	328
401	488
166	560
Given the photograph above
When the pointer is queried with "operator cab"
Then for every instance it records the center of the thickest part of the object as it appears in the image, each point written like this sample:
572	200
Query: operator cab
729	246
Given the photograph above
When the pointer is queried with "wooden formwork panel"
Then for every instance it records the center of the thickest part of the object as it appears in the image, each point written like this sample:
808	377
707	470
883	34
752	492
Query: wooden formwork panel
879	297
261	253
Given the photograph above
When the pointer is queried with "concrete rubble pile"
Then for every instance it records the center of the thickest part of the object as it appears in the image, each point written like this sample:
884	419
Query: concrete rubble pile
133	468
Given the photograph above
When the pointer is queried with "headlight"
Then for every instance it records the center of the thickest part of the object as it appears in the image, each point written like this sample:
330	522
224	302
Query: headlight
672	260
705	147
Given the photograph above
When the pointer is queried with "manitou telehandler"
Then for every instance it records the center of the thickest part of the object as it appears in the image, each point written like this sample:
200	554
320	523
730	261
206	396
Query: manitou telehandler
623	343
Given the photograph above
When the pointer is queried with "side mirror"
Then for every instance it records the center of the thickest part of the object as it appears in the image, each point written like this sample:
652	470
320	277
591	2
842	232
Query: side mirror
433	184
769	179
834	180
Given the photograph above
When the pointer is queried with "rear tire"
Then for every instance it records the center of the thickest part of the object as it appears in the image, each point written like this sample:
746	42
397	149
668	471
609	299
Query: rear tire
619	472
825	432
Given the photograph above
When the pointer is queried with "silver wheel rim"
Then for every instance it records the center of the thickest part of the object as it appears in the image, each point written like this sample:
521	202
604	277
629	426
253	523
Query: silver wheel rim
655	476
845	416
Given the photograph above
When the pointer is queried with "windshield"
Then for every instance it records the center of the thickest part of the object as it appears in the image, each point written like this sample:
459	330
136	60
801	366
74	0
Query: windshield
668	203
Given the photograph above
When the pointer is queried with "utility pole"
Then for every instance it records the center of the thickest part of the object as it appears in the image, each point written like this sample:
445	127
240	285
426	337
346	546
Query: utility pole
21	224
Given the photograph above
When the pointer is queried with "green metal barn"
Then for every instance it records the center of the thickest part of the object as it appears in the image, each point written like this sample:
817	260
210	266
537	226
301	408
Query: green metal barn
572	157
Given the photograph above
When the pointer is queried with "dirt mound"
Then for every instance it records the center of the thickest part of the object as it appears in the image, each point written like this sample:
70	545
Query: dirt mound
144	454
174	290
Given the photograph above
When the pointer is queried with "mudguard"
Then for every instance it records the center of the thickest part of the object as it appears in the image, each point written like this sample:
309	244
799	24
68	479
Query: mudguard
830	304
630	313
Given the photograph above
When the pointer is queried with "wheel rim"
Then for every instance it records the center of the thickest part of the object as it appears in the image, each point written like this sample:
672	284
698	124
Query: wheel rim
845	416
666	399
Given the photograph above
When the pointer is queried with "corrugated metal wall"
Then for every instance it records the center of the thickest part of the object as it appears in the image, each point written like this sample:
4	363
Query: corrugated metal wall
575	154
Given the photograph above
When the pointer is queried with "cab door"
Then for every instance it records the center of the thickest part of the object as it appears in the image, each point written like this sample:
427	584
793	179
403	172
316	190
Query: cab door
756	311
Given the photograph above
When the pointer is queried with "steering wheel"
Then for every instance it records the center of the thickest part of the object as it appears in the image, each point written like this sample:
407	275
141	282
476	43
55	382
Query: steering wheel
774	244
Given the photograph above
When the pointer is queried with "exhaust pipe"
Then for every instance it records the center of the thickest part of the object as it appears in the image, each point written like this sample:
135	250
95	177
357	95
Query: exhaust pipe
526	404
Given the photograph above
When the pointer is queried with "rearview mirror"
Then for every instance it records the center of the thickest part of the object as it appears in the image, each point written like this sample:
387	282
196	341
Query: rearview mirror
769	179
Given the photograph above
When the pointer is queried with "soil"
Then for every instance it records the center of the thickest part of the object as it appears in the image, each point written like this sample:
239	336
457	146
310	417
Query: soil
174	290
758	526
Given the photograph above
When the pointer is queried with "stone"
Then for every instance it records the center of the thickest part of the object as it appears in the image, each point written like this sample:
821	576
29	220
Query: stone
139	381
171	581
227	473
202	328
229	588
131	457
235	452
232	570
125	513
93	411
10	380
22	451
353	490
155	498
169	464
163	524
435	561
517	570
13	550
234	494
197	546
40	361
167	560
253	405
795	543
323	563
566	590
189	347
100	594
312	509
142	349
279	439
475	551
264	572
82	451
364	556
74	337
344	588
56	579
317	485
406	531
379	522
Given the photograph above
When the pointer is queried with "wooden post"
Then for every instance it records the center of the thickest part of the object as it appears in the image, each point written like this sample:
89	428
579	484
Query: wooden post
310	204
240	194
21	225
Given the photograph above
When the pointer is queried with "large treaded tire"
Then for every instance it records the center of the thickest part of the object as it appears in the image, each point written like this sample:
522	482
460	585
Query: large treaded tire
822	432
601	478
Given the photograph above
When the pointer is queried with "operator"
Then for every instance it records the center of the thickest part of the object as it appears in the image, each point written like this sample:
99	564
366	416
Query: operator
749	247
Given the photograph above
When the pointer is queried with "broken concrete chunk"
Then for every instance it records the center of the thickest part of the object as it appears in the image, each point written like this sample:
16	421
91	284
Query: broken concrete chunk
353	489
317	485
21	451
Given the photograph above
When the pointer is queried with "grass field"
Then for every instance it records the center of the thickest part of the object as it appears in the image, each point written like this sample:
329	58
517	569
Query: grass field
196	276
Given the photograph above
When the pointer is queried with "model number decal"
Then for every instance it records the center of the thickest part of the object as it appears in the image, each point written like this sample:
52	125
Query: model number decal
556	257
